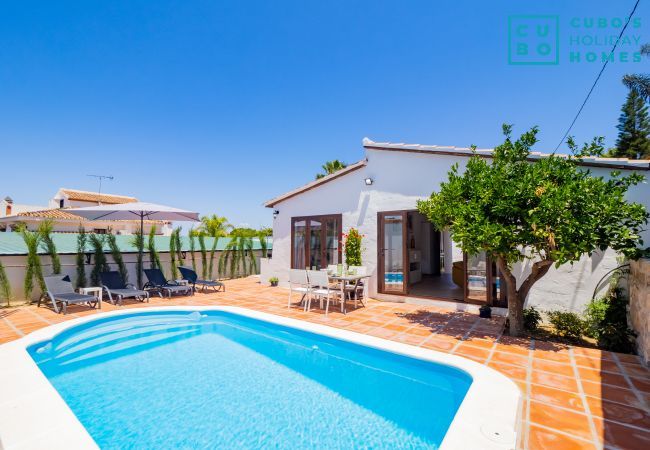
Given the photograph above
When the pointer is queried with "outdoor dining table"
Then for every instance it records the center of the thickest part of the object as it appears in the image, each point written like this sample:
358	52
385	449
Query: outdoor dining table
345	278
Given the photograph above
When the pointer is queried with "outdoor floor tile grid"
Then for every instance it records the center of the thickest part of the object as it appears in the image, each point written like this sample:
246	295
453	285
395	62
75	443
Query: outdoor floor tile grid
574	397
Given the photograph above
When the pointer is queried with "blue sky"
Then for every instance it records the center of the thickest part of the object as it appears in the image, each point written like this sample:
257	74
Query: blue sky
217	106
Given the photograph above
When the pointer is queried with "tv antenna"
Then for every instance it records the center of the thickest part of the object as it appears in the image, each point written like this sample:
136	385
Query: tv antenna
100	178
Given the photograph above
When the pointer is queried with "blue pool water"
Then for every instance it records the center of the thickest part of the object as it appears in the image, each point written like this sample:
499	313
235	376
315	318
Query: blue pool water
219	380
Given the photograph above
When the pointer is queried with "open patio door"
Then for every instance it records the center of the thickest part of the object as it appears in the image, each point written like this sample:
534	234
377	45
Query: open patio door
393	276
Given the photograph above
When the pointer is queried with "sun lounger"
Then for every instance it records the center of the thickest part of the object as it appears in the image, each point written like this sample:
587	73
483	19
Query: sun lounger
158	282
117	290
60	290
192	277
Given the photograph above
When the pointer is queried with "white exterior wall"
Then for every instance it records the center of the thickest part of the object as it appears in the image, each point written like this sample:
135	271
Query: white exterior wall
400	179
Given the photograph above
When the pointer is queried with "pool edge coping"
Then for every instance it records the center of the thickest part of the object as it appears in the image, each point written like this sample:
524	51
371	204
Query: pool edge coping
492	403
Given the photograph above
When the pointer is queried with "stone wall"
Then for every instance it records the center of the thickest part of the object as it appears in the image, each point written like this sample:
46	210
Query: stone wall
640	305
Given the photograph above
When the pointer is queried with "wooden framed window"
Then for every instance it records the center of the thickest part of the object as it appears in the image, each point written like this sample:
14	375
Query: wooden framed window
316	241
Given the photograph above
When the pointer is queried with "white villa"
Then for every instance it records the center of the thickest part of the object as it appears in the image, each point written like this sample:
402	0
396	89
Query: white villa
12	214
408	259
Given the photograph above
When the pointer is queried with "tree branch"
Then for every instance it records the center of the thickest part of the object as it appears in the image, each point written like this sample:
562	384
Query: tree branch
539	270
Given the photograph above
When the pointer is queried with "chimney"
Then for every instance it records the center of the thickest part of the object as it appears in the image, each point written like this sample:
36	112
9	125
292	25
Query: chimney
10	203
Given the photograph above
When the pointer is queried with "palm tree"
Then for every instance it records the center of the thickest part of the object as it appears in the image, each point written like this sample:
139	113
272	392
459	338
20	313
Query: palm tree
81	257
175	249
330	167
640	82
138	241
34	268
214	226
45	229
5	287
204	256
154	259
192	235
238	257
116	253
101	264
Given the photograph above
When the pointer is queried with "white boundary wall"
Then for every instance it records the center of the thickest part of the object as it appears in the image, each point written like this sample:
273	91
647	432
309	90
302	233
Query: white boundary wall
15	269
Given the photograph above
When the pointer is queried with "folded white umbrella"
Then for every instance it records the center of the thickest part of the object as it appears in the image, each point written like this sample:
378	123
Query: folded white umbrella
135	210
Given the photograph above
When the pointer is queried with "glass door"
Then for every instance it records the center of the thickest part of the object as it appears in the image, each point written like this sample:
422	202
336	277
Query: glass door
476	278
332	238
315	236
392	255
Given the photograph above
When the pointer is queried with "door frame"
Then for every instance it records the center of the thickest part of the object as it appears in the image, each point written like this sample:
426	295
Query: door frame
490	274
381	268
323	238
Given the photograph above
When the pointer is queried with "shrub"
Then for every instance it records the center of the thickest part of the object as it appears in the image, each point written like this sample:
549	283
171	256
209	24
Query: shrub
607	322
352	245
594	316
567	324
532	318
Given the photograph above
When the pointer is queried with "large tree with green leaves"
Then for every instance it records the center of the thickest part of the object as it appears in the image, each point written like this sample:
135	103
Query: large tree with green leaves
633	129
640	82
330	167
550	211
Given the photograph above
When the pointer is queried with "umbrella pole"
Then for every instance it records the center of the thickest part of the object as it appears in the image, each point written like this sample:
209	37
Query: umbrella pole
141	249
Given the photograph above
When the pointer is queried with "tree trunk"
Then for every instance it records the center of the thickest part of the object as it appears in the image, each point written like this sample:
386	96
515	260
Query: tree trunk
517	297
515	312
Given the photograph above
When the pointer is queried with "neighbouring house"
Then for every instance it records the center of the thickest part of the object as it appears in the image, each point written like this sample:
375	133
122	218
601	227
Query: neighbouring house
13	214
410	260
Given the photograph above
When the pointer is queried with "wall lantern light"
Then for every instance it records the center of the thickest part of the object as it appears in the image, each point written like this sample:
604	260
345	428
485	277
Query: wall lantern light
369	181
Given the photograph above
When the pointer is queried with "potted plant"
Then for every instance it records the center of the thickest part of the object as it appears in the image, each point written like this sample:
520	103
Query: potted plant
352	247
485	312
274	281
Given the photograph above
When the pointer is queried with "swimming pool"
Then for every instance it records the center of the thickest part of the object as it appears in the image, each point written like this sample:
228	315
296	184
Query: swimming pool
206	378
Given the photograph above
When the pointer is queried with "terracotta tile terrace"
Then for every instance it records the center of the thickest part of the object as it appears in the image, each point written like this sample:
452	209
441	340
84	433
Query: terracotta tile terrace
575	398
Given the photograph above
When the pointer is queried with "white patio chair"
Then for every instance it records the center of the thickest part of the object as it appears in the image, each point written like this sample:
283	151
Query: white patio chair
298	282
320	287
357	288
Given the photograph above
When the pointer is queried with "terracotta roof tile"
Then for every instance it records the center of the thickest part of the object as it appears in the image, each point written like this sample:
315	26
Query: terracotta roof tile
62	214
85	196
51	214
